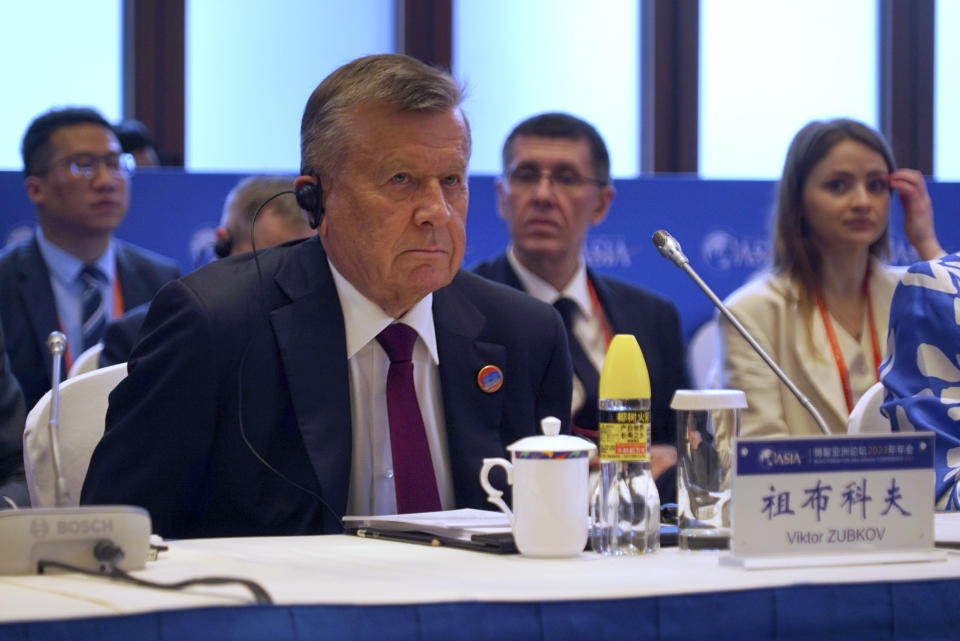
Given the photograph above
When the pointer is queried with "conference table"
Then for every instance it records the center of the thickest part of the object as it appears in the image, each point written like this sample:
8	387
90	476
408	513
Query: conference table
346	587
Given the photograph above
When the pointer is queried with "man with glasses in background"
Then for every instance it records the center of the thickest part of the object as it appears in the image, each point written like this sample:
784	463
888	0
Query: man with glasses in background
72	275
556	186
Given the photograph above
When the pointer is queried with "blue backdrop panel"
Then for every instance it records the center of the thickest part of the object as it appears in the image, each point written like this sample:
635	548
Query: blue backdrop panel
722	226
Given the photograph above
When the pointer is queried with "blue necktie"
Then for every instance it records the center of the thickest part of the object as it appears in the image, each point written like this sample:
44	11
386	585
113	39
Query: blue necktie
94	306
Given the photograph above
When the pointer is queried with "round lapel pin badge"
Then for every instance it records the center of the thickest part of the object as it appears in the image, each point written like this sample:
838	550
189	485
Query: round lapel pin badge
490	378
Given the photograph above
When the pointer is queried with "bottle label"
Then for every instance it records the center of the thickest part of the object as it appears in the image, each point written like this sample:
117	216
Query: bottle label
624	435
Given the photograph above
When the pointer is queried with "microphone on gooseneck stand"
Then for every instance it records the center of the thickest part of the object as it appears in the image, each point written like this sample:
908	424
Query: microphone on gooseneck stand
100	539
57	345
670	248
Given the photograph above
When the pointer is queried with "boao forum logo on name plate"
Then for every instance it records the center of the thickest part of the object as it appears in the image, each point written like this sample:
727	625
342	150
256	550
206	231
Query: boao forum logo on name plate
770	458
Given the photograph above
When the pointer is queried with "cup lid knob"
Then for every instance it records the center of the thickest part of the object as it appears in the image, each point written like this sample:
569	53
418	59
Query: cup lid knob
550	425
551	441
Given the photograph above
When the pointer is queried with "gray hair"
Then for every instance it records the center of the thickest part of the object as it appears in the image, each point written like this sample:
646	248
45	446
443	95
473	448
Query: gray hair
249	194
389	79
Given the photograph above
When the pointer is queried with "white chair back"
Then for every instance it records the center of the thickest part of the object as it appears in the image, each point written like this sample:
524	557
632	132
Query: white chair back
87	361
83	411
866	417
702	356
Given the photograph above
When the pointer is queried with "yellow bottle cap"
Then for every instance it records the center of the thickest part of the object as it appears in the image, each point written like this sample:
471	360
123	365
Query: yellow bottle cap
624	373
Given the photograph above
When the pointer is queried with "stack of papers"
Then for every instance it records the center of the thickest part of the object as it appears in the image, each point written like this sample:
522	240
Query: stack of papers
946	529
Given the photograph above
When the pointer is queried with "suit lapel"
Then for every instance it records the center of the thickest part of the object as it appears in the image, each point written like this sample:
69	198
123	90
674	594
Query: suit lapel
613	313
472	416
816	369
310	337
37	298
506	274
821	371
134	289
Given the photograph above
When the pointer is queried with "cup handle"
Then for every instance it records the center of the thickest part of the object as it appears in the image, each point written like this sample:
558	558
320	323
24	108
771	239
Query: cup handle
493	494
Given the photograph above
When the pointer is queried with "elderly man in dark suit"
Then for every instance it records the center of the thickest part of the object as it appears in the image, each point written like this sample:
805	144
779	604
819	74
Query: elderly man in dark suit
72	275
358	371
555	186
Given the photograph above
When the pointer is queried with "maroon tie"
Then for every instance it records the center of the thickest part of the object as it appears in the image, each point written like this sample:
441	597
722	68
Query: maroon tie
413	478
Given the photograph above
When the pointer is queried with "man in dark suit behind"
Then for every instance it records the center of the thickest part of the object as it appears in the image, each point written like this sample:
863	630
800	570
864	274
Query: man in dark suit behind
257	396
279	219
555	186
72	275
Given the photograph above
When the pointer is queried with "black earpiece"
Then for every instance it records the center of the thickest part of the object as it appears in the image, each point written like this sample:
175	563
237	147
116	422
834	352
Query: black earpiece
310	199
223	246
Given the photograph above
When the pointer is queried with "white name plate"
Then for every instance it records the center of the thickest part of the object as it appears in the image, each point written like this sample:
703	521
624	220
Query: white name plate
833	500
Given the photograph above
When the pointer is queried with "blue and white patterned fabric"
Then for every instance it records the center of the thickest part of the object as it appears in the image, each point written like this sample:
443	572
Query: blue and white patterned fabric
921	373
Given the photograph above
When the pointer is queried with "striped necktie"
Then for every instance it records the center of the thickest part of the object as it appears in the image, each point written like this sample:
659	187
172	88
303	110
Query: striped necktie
94	305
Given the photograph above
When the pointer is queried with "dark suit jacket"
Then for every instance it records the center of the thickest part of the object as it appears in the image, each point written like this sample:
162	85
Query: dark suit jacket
228	371
655	323
12	480
652	319
120	336
29	310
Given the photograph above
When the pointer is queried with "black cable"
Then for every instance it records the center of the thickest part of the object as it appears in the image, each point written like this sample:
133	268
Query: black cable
259	593
253	242
243	359
246	441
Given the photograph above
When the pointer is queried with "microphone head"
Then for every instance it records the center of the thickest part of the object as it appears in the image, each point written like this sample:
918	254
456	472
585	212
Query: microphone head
660	238
669	247
56	342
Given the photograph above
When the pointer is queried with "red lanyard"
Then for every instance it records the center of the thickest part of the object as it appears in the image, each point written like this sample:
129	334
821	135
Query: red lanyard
118	307
598	310
835	347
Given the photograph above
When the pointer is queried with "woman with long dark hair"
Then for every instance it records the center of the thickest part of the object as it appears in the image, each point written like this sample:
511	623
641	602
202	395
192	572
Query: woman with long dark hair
822	309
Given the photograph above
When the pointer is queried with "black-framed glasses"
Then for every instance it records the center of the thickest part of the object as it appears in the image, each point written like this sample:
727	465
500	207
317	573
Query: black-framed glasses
529	176
87	165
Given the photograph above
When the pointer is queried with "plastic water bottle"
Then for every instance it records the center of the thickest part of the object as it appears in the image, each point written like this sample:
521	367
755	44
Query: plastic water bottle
625	506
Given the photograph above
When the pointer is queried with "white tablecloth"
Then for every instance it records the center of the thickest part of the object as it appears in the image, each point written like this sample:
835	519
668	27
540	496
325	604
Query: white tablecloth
350	570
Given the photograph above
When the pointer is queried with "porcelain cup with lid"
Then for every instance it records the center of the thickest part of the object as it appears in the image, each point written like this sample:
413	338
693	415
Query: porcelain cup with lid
549	475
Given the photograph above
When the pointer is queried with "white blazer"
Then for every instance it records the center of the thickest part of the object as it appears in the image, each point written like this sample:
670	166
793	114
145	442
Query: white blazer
768	308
